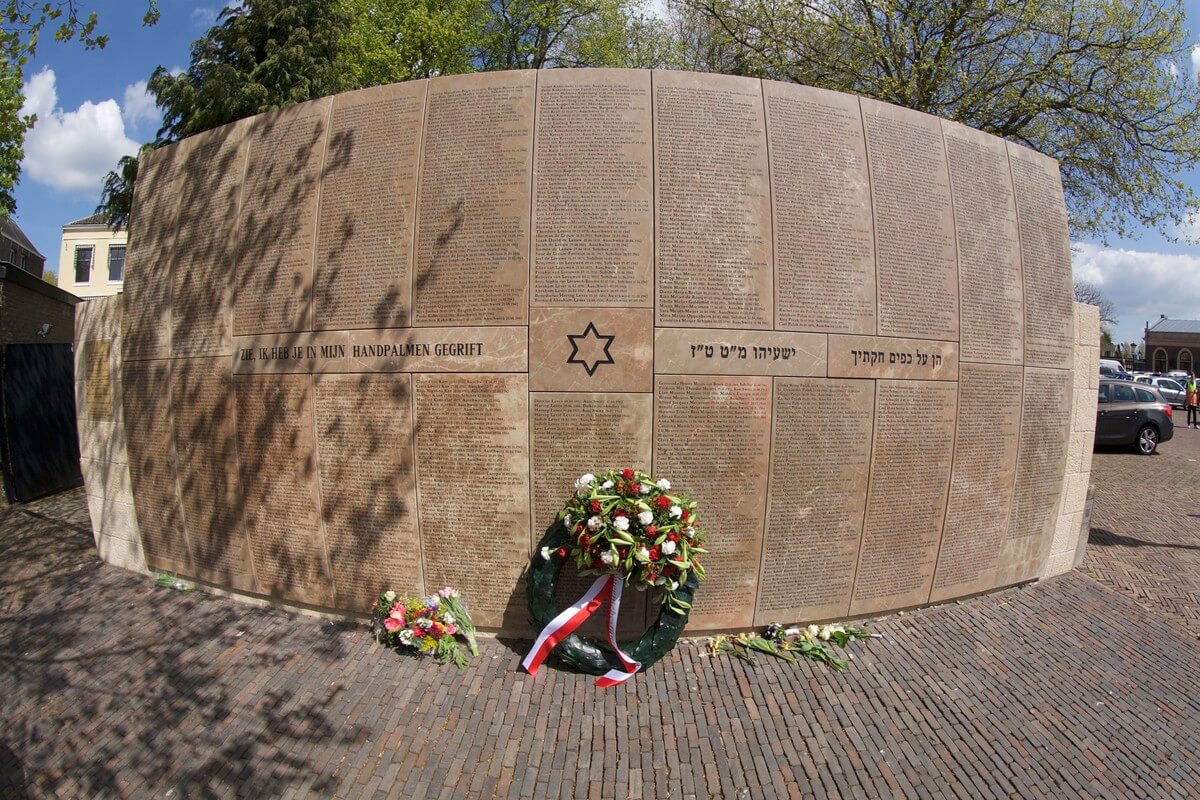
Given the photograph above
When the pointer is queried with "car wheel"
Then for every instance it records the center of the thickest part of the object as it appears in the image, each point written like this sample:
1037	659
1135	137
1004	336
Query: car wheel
1147	440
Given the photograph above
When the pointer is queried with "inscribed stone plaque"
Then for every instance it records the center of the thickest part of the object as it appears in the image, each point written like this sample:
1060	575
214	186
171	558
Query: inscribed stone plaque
887	357
201	309
146	316
473	209
1045	258
699	351
96	360
276	228
711	440
989	255
985	463
152	465
472	443
593	189
1041	464
572	433
712	201
906	502
821	209
279	487
914	223
820	457
368	486
206	446
486	349
591	350
363	275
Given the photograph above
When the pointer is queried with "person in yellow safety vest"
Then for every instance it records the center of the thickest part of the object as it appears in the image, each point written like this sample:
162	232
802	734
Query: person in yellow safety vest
1192	402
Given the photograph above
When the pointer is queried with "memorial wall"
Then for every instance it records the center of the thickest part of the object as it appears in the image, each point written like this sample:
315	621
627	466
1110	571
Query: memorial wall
371	340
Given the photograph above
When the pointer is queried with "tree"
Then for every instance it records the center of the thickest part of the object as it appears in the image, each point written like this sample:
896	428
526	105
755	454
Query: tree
116	198
261	55
531	34
397	40
619	35
1090	293
1104	86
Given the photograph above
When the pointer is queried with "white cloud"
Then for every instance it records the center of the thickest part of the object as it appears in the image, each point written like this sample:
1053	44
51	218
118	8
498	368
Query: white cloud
1196	60
1141	285
138	105
1188	229
204	17
72	151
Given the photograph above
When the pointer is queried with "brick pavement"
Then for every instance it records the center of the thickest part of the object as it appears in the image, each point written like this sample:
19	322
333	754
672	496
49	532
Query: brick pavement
112	687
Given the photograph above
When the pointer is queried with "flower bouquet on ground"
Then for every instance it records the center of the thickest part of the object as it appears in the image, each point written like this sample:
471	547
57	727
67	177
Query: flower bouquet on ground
810	643
625	523
426	625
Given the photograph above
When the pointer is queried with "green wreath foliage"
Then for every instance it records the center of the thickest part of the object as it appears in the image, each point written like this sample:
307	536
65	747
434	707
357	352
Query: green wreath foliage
583	652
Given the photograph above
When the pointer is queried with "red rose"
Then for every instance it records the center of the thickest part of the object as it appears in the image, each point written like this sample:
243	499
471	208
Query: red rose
655	553
595	506
685	515
622	551
635	488
584	540
560	552
672	537
620	512
419	633
662	501
579	528
652	531
671	571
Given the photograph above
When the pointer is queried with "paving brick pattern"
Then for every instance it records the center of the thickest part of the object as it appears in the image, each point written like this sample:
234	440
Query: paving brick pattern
112	687
1145	536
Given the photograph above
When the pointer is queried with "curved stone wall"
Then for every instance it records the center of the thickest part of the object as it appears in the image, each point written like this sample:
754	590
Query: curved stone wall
372	339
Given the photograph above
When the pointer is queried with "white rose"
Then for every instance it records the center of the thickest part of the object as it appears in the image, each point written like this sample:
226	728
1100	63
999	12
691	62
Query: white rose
676	512
663	484
621	523
689	532
643	552
645	488
606	485
660	580
824	633
390	596
674	585
608	558
668	547
546	553
594	523
584	480
646	517
812	631
567	521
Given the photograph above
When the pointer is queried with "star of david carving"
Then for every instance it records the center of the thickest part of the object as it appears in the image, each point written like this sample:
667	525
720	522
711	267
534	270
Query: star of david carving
590	349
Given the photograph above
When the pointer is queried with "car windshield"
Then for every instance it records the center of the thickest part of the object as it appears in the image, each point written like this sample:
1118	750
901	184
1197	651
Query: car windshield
1143	379
1124	394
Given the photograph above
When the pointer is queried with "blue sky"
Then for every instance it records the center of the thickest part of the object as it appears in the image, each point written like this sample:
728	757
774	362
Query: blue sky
92	108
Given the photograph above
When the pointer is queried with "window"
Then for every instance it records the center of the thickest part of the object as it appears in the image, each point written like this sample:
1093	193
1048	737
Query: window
12	255
1104	393
25	261
1160	360
1185	360
1146	396
1123	393
83	264
1144	379
1168	384
116	262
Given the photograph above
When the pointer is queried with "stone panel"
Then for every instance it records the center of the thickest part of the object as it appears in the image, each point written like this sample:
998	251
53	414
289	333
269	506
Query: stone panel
1041	462
205	429
1045	258
914	223
279	486
714	351
820	457
711	440
906	503
96	373
472	444
152	465
277	223
887	357
821	210
989	255
572	433
146	313
202	274
981	486
363	274
473	207
368	486
712	202
591	350
593	217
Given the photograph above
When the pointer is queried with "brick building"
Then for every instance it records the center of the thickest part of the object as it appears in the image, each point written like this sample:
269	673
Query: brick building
1173	344
33	311
17	251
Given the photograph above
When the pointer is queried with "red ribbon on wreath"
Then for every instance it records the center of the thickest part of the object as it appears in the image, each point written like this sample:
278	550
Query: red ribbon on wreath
605	588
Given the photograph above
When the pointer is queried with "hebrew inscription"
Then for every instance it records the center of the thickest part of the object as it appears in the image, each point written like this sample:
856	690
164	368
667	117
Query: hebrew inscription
699	351
593	217
820	457
713	200
473	211
906	503
364	252
884	357
723	461
820	195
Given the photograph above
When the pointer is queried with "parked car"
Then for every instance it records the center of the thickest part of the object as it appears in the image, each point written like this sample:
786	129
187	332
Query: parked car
1170	389
1132	414
1178	374
1111	368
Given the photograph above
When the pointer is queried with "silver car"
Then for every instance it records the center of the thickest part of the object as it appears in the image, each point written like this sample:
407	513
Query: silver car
1170	389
